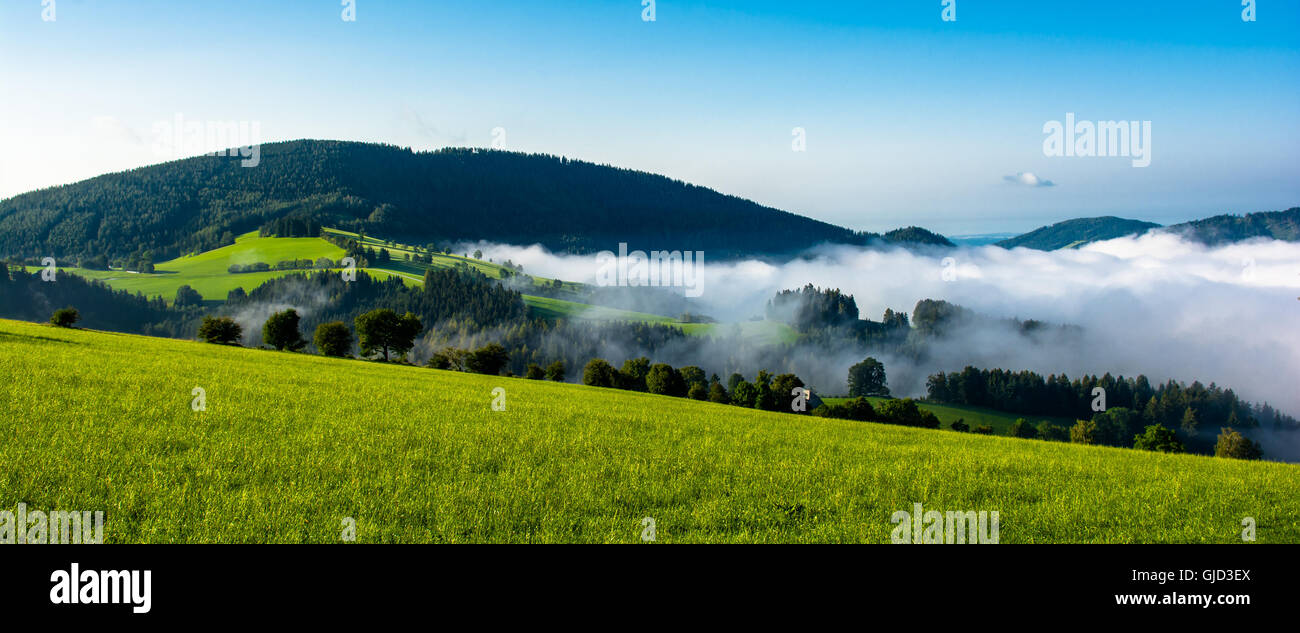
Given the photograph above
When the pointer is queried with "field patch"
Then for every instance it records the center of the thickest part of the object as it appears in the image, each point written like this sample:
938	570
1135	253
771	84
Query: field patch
291	444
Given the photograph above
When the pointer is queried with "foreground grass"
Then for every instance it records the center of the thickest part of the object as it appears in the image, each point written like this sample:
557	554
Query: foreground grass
291	444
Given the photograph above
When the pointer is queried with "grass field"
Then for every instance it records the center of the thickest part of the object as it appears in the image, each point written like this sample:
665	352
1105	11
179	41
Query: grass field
208	273
291	444
1001	421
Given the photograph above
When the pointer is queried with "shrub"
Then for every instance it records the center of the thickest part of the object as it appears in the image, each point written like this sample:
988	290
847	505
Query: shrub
65	317
900	411
333	339
221	330
859	409
599	373
984	429
698	392
960	425
1158	438
1234	445
555	371
1022	429
1053	432
1084	432
534	372
489	359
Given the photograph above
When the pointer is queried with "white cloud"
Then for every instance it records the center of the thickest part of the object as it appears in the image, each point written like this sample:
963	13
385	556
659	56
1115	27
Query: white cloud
1028	179
1154	304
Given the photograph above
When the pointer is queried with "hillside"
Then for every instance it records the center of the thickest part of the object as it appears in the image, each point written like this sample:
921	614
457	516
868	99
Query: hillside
1077	232
198	204
290	445
1279	225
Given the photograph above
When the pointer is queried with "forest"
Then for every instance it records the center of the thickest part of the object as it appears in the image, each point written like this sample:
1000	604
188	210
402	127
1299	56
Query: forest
444	196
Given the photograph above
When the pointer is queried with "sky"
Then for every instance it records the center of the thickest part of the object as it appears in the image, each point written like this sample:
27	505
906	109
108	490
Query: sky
906	118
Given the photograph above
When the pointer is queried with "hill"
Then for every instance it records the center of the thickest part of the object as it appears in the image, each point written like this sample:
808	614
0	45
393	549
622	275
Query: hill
290	445
202	203
1279	225
1077	232
916	235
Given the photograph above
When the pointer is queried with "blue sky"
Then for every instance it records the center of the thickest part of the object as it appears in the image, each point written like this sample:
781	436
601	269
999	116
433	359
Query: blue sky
909	119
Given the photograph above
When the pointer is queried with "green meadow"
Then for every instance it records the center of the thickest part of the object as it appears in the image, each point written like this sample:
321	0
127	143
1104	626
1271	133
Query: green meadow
292	444
208	273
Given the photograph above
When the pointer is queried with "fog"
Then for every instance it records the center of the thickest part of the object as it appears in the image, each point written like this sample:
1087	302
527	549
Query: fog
1156	305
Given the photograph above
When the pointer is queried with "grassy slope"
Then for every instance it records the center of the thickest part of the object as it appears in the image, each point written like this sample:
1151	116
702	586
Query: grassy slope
291	444
1001	421
207	273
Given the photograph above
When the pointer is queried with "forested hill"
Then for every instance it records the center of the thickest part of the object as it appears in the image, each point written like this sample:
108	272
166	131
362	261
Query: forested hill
448	195
1077	232
1279	225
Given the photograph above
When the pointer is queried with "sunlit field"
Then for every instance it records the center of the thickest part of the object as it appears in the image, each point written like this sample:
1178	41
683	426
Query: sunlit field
292	444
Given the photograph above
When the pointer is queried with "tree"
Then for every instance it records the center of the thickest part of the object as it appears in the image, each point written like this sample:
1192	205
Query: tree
984	429
333	338
478	254
929	420
733	380
960	425
1053	432
489	359
64	317
222	330
867	378
1234	445
633	374
1084	432
900	411
599	373
534	372
381	330
859	409
782	386
555	371
1190	424
281	331
718	393
698	392
665	381
744	394
187	296
449	358
1021	428
1157	437
693	375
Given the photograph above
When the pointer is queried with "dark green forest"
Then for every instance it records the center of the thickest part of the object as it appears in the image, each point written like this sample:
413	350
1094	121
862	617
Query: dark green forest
1220	229
566	205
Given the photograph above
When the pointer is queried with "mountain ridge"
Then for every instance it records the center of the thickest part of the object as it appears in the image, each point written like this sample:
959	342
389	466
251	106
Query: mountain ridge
447	195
